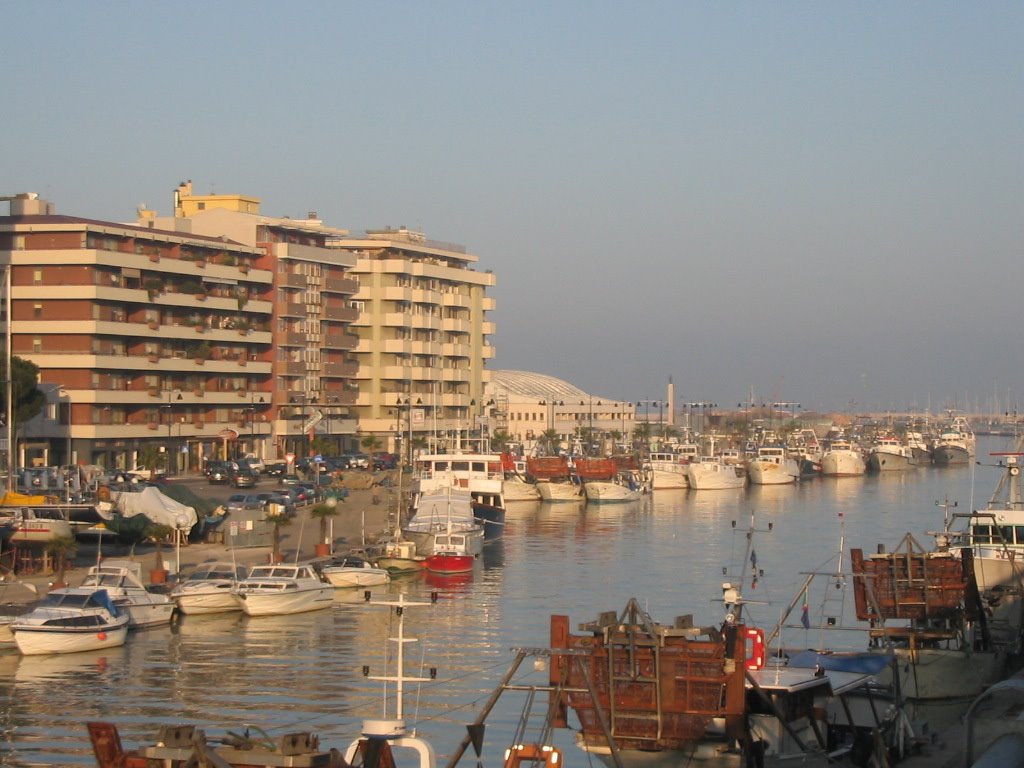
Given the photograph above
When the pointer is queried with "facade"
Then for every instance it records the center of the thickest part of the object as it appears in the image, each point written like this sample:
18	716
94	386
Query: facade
313	385
144	337
424	340
526	405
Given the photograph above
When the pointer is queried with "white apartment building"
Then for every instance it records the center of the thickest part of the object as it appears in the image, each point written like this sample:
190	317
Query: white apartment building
423	340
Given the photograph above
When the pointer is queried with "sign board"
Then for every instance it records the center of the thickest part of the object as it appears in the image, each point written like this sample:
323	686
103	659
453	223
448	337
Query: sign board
318	459
290	458
418	416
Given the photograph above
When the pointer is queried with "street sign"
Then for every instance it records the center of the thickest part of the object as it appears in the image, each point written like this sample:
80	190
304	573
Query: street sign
318	458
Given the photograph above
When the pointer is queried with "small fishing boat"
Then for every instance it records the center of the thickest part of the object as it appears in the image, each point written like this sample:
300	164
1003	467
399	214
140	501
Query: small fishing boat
955	444
399	555
209	588
452	553
889	454
772	466
352	571
554	480
122	579
712	473
842	459
281	589
71	620
668	470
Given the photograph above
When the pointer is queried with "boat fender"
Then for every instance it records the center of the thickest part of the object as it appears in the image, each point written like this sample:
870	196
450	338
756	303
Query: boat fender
756	638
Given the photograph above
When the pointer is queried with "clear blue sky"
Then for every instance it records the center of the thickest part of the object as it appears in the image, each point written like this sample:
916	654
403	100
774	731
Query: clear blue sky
819	202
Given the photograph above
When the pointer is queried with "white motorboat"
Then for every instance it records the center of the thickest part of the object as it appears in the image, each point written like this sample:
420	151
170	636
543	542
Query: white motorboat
711	473
772	466
436	513
210	588
955	444
281	589
353	571
889	454
70	620
668	470
842	459
122	579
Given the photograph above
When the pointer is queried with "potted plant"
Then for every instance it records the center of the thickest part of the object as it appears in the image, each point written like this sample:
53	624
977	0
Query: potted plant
278	517
61	549
158	532
322	511
153	286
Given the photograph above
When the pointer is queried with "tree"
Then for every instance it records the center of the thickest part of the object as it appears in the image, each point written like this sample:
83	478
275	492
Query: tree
28	399
322	511
551	441
151	457
278	517
370	443
500	439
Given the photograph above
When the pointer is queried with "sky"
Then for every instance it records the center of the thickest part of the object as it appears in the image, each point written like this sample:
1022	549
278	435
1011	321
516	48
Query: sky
787	201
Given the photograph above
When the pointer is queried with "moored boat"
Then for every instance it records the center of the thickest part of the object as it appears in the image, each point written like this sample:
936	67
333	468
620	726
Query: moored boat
955	443
842	459
554	480
281	589
209	588
890	454
711	473
352	571
772	466
449	509
480	474
668	470
71	620
122	579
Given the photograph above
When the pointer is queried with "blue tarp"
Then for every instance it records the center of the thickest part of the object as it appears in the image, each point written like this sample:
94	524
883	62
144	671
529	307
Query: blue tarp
864	663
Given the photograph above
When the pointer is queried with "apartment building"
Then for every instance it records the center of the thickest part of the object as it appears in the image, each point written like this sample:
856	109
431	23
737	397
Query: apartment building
312	388
423	340
143	337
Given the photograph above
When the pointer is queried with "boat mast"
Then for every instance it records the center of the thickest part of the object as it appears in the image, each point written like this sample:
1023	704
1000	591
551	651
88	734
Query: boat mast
9	379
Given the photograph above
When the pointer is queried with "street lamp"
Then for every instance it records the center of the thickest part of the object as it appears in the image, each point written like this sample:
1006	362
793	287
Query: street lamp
407	404
67	478
252	422
702	406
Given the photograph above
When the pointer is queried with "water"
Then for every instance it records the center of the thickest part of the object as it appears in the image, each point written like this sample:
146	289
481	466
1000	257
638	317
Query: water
304	672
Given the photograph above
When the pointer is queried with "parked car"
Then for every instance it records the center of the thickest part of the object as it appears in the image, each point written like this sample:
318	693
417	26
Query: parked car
383	461
288	480
255	464
243	478
242	502
276	468
217	472
357	460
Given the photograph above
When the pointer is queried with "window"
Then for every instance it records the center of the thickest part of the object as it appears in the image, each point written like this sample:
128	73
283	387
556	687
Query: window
37	311
37	344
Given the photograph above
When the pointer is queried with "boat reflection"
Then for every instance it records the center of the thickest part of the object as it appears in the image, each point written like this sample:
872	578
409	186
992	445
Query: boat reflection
64	667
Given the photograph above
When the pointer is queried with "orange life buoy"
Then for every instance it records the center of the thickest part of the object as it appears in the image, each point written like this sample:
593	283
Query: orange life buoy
755	660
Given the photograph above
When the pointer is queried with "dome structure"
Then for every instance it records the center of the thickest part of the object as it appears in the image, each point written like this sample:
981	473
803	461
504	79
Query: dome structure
528	384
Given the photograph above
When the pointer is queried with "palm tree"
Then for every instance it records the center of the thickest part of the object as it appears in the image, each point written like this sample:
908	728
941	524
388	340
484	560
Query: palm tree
325	509
550	440
278	518
60	549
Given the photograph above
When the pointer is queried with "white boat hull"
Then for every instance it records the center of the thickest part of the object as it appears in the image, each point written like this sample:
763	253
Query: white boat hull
208	599
843	464
282	604
714	477
518	490
674	478
356	577
40	641
770	473
601	492
147	614
559	491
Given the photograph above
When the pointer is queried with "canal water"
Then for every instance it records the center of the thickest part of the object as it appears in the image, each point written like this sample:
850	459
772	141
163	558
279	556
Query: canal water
306	672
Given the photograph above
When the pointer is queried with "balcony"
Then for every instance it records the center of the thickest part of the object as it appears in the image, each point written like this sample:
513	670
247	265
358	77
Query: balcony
291	339
346	369
290	280
342	341
455	300
342	314
292	368
345	286
290	309
455	350
455	325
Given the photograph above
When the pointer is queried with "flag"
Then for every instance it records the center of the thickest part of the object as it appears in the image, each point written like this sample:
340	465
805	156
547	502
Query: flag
805	617
753	558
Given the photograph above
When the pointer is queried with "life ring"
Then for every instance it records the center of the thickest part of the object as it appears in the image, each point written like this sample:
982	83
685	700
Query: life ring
532	755
755	660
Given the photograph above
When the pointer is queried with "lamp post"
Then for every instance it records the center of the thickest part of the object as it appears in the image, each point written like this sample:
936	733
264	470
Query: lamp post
701	406
63	393
168	449
407	404
252	422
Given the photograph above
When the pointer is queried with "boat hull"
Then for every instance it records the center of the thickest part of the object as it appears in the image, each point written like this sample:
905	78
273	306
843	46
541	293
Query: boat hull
600	492
888	461
39	641
300	601
705	477
445	563
209	600
770	473
948	455
559	492
519	490
356	577
842	464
